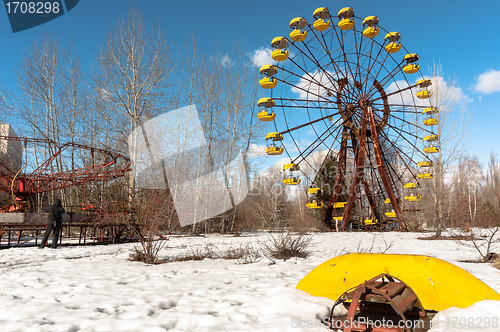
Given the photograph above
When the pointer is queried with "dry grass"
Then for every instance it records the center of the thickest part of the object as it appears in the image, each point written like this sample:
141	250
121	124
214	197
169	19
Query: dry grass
244	254
286	245
496	263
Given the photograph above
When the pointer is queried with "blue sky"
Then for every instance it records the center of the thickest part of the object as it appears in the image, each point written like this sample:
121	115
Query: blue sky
462	35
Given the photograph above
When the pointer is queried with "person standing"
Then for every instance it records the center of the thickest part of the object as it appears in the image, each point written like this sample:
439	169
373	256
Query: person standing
54	224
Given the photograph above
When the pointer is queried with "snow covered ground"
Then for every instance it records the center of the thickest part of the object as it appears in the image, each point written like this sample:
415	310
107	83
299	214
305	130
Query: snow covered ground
96	288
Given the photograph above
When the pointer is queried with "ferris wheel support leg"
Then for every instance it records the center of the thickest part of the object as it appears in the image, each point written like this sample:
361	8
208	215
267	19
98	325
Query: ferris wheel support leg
382	171
360	163
339	180
369	196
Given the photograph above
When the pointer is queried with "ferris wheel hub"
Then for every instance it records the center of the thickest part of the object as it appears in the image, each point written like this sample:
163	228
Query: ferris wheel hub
363	102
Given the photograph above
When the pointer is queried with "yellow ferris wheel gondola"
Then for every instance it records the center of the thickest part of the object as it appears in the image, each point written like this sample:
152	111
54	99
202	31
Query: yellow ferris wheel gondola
268	81
274	144
321	19
430	114
279	45
371	30
392	39
424	91
298	32
431	145
411	66
292	172
411	189
313	198
266	112
346	15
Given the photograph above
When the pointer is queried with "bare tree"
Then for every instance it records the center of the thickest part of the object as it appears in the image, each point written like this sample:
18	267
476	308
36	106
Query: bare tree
490	190
270	198
50	102
453	131
223	87
131	76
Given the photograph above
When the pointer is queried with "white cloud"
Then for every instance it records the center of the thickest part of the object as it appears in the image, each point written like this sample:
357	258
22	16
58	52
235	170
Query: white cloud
262	56
442	91
315	84
488	82
255	150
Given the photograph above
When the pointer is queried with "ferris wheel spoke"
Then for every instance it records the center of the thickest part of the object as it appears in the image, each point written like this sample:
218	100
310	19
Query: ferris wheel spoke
318	65
312	79
370	69
342	50
396	92
319	138
288	130
327	156
400	152
401	106
390	75
412	124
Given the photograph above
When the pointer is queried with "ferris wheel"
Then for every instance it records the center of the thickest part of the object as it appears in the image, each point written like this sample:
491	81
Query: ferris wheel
345	85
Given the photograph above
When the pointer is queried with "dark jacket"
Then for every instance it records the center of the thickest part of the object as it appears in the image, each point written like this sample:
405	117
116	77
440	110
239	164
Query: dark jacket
55	213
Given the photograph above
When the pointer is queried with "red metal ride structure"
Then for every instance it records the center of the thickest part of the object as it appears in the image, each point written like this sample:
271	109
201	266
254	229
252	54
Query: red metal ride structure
58	167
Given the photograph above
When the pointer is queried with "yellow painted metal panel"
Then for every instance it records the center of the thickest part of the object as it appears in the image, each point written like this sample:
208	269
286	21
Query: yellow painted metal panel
279	42
314	205
346	24
438	284
425	164
413	198
321	25
266	102
431	149
411	68
430	110
431	138
292	166
431	122
264	116
279	55
297	35
291	182
424	94
392	47
268	83
371	32
274	151
275	136
313	190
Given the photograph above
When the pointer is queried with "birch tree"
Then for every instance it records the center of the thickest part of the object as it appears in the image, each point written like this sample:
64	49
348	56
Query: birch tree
453	132
132	72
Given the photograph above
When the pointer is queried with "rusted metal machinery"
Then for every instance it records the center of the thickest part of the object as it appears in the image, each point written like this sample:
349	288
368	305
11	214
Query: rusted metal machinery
346	92
382	304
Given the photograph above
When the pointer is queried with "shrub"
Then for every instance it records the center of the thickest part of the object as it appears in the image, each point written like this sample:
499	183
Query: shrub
286	245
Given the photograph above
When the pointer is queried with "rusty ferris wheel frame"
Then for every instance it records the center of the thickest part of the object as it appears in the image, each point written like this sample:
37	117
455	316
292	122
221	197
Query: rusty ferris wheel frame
354	92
